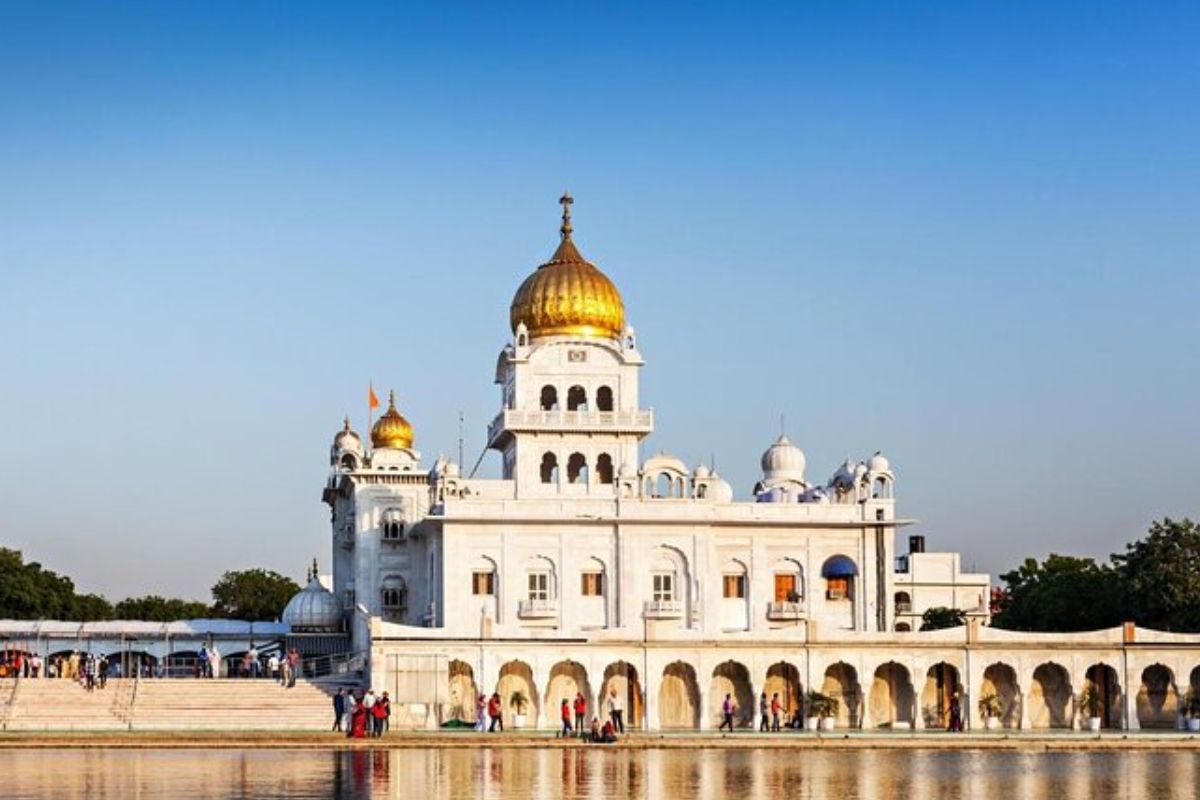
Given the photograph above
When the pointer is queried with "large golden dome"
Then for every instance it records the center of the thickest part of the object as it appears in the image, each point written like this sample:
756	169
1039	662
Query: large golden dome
392	430
568	296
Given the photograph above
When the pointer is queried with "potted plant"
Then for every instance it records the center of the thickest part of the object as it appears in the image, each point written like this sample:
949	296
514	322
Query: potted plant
518	702
1191	710
1090	703
990	709
817	704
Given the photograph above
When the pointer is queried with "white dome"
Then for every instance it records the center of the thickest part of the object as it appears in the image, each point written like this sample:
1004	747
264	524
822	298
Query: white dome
703	471
783	461
877	463
347	440
313	608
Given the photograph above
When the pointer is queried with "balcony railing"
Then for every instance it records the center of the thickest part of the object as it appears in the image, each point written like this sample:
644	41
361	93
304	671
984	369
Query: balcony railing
538	420
785	610
537	609
664	609
903	608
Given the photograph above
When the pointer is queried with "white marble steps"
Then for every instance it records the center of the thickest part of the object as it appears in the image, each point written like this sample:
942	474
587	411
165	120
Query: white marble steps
186	704
39	705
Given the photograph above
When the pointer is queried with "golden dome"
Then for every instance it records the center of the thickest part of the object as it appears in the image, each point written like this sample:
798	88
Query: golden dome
392	430
567	295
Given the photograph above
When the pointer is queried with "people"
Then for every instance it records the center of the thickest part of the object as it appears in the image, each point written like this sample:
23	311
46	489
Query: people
293	658
776	712
608	734
381	712
580	713
255	665
480	714
565	711
348	704
358	720
764	713
956	723
339	708
494	713
727	709
595	730
102	671
273	666
616	710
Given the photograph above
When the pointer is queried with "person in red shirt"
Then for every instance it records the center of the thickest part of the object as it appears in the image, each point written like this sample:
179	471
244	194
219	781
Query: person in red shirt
580	713
494	713
566	718
381	711
776	711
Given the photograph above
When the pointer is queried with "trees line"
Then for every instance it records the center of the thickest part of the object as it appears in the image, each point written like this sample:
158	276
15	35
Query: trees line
30	591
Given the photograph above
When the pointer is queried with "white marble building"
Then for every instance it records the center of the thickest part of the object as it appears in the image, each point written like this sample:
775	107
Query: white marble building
585	567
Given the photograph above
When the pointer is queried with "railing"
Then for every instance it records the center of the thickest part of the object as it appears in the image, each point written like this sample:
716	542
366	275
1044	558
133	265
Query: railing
903	608
663	609
537	609
785	610
634	421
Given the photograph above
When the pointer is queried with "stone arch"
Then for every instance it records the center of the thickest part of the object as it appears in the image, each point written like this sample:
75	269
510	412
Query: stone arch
517	676
1050	697
679	697
784	679
841	683
549	468
1157	698
1103	679
567	679
577	468
549	398
1000	680
787	576
577	399
604	398
604	468
941	688
1194	680
622	677
462	691
732	678
891	699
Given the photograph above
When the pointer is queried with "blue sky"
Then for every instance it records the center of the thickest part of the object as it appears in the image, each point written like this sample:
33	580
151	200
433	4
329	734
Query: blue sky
965	234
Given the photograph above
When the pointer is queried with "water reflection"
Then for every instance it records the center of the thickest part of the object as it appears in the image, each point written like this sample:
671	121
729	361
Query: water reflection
482	774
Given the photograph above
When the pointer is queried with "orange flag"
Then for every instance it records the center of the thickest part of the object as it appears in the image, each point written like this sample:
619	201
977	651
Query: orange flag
372	400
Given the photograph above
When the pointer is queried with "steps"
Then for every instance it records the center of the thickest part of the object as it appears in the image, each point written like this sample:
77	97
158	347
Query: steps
190	704
166	704
43	705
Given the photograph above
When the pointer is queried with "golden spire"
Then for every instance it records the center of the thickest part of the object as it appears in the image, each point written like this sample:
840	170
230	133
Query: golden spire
568	296
392	429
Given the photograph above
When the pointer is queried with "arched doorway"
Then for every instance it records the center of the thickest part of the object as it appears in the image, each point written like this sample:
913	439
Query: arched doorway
1157	700
462	691
518	694
131	663
733	679
1000	682
941	687
891	697
679	697
622	677
784	679
1102	679
567	679
841	684
1050	697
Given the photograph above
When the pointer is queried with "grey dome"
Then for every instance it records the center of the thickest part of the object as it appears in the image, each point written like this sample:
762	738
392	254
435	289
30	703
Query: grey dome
313	608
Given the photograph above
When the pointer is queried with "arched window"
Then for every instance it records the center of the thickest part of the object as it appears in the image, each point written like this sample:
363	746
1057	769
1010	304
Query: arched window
393	525
882	490
349	462
903	603
577	471
577	399
394	598
903	627
662	485
604	399
604	468
839	573
549	468
549	398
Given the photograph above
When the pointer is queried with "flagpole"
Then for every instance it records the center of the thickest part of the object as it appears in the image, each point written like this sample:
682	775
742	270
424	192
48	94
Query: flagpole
370	407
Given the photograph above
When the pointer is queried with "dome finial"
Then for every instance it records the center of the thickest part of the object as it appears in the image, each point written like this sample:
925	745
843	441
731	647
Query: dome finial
391	398
565	201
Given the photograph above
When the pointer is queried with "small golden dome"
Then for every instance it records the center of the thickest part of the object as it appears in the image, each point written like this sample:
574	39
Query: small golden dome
392	430
567	295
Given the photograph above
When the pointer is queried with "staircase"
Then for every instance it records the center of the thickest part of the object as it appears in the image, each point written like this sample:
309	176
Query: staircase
163	704
64	705
190	704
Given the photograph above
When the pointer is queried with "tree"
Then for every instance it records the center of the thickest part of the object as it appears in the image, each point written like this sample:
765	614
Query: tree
1160	576
27	591
153	608
90	607
257	595
1063	593
939	617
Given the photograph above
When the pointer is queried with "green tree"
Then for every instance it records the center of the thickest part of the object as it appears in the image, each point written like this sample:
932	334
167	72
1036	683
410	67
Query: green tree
27	591
154	608
90	607
257	595
1160	576
939	617
1063	593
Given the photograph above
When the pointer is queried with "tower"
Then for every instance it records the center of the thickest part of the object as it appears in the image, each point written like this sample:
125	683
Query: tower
569	422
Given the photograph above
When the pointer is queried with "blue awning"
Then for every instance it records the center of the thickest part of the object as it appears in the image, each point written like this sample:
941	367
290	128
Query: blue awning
839	567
